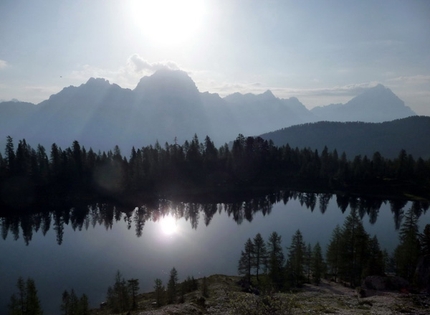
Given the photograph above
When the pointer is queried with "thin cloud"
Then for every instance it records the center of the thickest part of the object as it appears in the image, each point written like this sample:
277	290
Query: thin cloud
420	79
140	65
3	64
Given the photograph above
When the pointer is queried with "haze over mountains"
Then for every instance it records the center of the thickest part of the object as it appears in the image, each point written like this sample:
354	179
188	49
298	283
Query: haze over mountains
167	106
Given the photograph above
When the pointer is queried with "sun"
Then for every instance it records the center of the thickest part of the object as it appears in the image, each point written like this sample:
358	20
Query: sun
168	21
168	225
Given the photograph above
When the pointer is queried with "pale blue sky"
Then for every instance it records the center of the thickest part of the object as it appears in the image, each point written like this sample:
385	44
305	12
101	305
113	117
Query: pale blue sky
319	51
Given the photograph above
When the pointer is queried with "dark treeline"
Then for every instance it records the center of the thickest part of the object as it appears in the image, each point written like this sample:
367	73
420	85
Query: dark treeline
82	215
31	176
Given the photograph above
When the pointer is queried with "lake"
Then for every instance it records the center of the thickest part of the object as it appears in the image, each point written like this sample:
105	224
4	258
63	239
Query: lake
82	248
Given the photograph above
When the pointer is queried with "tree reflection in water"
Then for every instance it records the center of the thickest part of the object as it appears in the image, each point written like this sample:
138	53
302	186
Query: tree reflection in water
239	208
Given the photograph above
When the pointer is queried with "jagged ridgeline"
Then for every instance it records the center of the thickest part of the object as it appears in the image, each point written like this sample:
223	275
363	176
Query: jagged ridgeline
33	177
168	104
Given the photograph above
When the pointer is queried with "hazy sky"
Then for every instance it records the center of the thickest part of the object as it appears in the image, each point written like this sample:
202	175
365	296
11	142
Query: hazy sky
319	51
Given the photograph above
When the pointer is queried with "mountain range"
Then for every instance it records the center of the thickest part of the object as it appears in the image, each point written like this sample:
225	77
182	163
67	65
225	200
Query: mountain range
168	107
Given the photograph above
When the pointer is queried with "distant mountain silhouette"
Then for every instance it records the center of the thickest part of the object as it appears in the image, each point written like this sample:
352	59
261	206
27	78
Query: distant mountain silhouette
167	106
376	104
359	138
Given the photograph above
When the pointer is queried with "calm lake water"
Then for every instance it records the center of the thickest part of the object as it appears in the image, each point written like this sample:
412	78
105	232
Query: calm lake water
146	244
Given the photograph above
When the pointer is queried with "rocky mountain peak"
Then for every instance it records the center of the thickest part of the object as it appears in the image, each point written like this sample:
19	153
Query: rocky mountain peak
166	80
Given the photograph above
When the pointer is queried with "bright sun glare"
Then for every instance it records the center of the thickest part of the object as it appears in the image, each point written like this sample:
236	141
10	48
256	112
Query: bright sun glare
168	225
168	21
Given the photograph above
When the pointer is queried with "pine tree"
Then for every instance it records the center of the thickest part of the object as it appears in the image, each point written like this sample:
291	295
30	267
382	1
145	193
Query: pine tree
317	265
10	155
296	259
83	308
172	286
246	261
133	287
308	262
376	262
276	260
260	254
33	302
407	252
334	252
354	249
65	302
118	298
27	301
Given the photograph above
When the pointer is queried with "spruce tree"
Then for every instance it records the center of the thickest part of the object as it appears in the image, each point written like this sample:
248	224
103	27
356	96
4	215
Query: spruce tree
376	262
260	254
33	303
296	259
172	286
83	308
407	252
334	252
118	298
308	262
317	265
354	249
276	260
133	287
246	261
27	301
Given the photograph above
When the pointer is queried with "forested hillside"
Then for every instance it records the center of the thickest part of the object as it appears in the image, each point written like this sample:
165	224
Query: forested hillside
360	138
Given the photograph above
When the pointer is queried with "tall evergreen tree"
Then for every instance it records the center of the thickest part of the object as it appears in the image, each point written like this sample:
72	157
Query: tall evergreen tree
27	302
172	286
10	155
296	259
334	252
246	261
317	265
354	249
276	260
308	263
83	308
407	252
260	254
133	286
376	262
118	298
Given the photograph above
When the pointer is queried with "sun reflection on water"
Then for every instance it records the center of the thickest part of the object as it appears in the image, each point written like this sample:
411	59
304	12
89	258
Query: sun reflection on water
168	225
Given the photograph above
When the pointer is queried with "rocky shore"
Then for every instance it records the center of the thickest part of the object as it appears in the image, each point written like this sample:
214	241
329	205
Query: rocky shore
225	296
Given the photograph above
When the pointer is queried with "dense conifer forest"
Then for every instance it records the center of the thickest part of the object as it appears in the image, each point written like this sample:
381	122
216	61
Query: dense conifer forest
31	176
